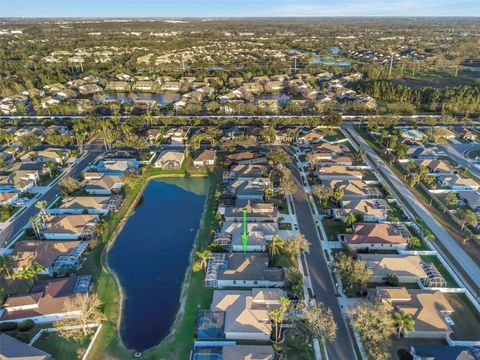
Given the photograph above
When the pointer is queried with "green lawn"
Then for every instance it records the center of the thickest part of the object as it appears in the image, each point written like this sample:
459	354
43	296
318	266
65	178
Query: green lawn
465	317
446	275
333	135
60	348
333	228
296	348
5	212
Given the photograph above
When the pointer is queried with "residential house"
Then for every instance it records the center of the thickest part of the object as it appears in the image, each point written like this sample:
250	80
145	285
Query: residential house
377	236
256	211
252	87
8	198
102	184
54	256
471	199
443	352
170	86
335	161
89	89
117	166
368	209
437	167
457	183
121	86
407	268
232	351
338	173
46	300
354	189
259	234
152	135
13	349
247	158
429	309
69	227
94	205
245	172
15	182
205	158
333	150
42	156
242	270
144	85
268	104
251	189
170	160
312	137
177	135
413	134
422	153
247	312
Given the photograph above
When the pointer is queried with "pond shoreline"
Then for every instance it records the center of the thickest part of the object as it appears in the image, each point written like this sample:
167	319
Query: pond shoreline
110	242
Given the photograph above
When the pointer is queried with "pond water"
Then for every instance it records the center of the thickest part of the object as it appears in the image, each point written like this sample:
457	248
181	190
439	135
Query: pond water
161	98
151	254
329	60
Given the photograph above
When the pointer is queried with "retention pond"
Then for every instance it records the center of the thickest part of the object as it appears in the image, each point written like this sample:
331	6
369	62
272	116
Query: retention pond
151	254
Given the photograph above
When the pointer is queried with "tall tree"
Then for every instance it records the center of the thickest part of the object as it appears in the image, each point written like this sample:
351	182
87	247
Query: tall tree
7	265
79	327
375	326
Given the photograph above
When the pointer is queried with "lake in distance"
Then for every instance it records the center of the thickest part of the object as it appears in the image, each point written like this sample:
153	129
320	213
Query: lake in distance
151	254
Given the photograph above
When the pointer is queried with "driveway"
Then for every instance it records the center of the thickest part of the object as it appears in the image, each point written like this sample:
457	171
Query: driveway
457	252
342	348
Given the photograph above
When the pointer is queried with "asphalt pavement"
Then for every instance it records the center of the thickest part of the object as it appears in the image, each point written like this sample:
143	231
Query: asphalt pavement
323	288
469	266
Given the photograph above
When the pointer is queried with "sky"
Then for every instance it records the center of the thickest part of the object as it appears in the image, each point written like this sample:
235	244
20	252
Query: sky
236	8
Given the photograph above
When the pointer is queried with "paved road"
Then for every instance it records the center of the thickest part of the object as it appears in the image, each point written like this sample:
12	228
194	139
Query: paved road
458	253
456	153
342	348
23	219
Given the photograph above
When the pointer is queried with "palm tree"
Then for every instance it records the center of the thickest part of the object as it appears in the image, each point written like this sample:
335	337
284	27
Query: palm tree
204	256
350	219
28	273
41	205
7	265
404	322
277	316
275	245
49	165
35	220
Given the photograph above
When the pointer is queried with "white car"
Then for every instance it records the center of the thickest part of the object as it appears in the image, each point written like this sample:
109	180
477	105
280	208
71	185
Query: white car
21	201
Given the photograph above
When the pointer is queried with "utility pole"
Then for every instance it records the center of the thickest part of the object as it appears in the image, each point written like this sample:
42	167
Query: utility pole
391	65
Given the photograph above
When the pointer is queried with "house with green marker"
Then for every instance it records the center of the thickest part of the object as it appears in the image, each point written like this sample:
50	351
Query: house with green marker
242	270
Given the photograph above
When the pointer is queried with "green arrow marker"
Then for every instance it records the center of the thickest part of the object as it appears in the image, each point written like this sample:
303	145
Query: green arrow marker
244	234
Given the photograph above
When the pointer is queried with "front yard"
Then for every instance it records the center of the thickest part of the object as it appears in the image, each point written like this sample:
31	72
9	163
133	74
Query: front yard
60	348
465	317
334	228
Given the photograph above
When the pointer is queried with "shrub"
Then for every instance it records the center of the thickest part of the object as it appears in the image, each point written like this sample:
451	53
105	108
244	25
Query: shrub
8	326
29	231
23	337
25	325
